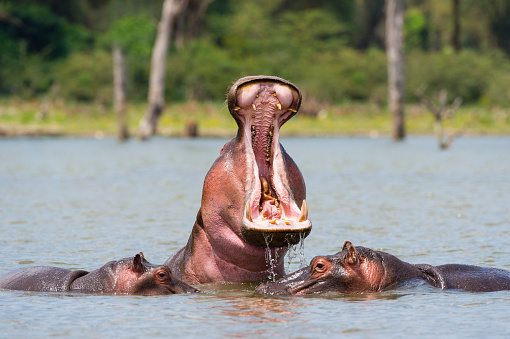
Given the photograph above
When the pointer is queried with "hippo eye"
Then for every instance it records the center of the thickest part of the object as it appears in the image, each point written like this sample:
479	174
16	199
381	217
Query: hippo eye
162	274
320	267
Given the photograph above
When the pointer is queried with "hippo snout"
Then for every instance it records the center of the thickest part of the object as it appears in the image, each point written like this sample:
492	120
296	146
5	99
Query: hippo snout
272	289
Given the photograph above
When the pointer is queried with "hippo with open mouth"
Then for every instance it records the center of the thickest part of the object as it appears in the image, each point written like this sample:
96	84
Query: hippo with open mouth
254	194
133	275
362	270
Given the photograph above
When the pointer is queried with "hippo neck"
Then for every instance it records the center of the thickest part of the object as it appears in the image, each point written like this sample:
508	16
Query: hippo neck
397	272
101	280
203	261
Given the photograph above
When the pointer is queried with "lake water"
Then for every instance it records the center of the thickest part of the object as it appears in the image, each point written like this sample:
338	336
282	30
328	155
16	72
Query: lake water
79	203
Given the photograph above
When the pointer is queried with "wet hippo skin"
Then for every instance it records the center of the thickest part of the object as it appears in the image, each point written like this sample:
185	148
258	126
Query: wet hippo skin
133	275
362	270
254	194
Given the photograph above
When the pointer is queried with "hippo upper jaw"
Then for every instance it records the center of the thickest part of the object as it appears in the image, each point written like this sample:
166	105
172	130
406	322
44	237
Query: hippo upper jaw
271	215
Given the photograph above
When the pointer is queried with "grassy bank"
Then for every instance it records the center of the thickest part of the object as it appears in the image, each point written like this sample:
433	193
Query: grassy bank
22	118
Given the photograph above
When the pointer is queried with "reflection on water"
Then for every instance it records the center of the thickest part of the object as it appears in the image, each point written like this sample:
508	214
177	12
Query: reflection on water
79	203
258	310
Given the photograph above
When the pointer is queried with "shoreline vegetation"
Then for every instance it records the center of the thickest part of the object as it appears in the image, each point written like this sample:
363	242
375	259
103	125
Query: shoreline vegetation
59	119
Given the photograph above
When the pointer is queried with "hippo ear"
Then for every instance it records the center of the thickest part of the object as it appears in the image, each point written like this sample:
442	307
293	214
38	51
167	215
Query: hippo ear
346	245
137	263
350	258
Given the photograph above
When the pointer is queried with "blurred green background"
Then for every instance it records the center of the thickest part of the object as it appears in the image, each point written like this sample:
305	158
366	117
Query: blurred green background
58	53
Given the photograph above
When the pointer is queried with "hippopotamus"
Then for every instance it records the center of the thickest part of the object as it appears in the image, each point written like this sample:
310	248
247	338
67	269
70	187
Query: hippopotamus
253	196
362	270
133	275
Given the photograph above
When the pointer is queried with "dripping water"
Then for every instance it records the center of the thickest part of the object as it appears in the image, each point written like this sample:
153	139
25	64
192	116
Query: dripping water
270	261
296	251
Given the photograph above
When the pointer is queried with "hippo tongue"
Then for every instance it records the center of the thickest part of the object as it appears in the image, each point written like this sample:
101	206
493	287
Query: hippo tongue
268	204
262	107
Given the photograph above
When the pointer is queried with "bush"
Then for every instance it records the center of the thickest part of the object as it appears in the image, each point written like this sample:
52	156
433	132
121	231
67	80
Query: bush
344	76
86	76
203	71
467	74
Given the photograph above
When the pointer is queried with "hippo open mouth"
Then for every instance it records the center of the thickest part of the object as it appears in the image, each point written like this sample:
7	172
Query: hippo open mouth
271	217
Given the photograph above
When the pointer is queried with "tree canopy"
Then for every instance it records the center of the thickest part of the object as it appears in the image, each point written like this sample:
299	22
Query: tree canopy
334	50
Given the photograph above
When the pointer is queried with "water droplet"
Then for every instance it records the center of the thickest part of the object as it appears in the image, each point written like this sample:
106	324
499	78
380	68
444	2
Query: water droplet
270	261
296	251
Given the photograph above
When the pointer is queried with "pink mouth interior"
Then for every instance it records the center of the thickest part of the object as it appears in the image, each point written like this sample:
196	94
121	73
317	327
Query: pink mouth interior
264	107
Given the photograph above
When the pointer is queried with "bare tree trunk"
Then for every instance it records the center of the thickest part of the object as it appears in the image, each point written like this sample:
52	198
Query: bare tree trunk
156	97
395	54
119	91
456	25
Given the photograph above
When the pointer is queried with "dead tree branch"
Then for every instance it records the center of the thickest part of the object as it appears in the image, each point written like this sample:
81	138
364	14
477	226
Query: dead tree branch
441	111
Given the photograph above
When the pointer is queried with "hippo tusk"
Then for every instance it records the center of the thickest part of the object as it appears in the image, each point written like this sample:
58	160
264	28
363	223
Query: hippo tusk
304	212
248	211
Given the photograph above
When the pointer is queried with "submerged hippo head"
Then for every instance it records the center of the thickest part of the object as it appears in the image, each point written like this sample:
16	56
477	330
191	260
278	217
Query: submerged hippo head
133	275
275	210
353	270
139	277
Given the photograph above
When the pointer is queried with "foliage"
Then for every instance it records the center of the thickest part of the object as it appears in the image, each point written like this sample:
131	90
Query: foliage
466	74
86	76
42	31
134	33
320	45
32	38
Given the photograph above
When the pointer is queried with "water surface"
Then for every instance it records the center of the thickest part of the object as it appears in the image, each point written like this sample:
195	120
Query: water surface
78	203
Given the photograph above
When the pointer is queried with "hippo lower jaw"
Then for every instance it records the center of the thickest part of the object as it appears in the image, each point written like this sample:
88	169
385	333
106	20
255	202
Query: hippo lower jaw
275	232
271	216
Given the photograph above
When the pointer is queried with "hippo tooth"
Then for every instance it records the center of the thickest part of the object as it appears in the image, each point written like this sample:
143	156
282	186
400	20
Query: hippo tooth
248	212
279	106
292	110
254	108
237	108
304	212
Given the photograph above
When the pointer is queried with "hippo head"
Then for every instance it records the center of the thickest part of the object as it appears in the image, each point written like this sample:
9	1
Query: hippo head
353	270
139	277
275	211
